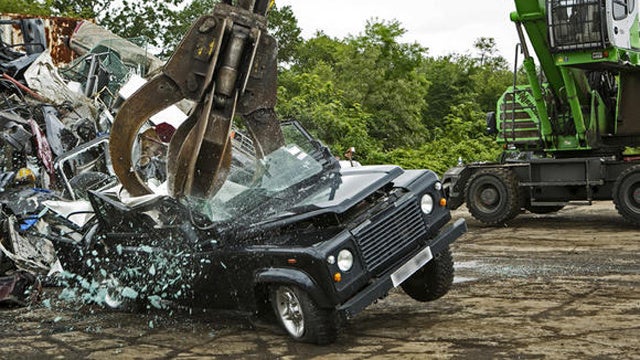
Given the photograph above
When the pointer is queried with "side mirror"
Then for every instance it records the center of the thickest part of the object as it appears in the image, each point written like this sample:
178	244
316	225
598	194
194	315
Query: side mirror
491	123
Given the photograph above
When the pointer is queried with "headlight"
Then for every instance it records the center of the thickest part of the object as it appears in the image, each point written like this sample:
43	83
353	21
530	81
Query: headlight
345	260
426	204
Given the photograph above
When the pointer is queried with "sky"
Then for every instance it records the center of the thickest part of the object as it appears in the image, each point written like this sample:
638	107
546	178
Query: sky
443	26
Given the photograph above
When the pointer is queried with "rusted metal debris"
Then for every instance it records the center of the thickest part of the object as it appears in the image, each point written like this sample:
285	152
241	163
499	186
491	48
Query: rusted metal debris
57	32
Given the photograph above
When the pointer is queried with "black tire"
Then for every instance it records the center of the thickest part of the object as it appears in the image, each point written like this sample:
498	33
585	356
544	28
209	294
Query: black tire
543	209
493	196
433	281
626	194
301	317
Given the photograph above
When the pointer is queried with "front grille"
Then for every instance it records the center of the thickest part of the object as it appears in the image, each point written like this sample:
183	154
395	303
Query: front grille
393	235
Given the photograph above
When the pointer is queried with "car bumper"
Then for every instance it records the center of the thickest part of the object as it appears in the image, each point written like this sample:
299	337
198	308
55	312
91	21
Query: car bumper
382	285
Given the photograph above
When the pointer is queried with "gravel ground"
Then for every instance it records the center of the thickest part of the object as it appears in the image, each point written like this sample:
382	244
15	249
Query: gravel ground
564	285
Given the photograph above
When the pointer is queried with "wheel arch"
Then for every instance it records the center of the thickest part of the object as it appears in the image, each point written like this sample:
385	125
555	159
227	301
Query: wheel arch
295	277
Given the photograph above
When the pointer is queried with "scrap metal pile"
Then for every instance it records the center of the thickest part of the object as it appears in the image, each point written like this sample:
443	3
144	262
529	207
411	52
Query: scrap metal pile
58	98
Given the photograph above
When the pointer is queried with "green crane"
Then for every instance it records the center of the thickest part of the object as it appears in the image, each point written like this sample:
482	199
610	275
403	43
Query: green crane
583	98
570	126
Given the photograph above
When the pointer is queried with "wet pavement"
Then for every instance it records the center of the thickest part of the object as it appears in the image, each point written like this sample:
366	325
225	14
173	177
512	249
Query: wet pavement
564	285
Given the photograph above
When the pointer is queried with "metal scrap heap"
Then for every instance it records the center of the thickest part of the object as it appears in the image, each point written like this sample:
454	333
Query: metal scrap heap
61	83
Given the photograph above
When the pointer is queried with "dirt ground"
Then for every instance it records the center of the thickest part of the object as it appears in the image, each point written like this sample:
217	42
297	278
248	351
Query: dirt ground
564	286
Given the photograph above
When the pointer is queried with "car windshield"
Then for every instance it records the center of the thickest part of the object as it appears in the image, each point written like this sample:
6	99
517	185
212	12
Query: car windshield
257	189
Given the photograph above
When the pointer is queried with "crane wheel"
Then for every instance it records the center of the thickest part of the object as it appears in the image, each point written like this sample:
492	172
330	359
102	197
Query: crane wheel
626	194
493	196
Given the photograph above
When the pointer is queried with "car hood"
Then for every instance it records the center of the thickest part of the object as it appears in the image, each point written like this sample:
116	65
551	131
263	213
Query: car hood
358	183
354	185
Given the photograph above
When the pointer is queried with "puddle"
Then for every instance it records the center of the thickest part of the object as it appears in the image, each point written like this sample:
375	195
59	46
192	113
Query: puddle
463	279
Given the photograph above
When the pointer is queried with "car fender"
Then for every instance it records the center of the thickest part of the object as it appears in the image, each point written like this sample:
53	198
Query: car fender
295	277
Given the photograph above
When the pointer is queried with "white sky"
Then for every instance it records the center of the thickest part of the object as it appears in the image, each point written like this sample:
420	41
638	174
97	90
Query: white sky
440	25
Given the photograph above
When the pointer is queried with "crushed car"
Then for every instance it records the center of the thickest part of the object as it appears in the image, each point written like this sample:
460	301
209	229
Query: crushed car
315	242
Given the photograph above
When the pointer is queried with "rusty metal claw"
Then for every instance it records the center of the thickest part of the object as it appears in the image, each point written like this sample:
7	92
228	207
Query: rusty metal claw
155	96
222	56
200	154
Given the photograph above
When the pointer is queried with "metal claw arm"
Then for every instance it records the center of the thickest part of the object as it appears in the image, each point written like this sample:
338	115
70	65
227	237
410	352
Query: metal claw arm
226	61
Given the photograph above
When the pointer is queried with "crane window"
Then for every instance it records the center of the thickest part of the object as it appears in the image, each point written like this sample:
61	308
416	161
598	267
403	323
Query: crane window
621	8
575	24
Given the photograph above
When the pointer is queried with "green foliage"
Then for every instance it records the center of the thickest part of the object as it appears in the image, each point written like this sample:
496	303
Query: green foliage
383	75
325	112
377	72
451	83
462	138
391	101
283	26
24	7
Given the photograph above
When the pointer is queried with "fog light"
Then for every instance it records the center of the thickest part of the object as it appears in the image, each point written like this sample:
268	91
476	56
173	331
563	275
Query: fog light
426	204
345	260
438	186
331	259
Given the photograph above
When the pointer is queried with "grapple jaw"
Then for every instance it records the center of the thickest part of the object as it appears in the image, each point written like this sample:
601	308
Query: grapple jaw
225	60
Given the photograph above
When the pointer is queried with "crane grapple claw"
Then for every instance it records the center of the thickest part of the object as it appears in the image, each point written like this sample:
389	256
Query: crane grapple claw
156	95
221	56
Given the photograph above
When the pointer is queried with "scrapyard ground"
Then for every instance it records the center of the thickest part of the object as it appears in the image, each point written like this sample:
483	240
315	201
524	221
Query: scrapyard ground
560	286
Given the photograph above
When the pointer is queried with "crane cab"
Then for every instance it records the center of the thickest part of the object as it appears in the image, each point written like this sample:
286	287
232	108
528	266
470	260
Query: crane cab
576	25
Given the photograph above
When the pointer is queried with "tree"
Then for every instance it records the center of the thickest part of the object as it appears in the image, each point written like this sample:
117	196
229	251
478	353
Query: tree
383	74
488	54
492	75
451	84
25	7
283	26
314	100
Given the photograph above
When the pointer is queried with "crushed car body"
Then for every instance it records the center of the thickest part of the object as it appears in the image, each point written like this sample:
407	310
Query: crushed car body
294	232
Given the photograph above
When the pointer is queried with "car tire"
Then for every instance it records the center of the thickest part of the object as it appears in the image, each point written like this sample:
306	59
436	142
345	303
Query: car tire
433	280
301	317
493	196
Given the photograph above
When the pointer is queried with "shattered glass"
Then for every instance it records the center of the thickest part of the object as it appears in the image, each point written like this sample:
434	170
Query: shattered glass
279	171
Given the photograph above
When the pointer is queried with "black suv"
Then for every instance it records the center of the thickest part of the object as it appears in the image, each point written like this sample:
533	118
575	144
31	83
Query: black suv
295	232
